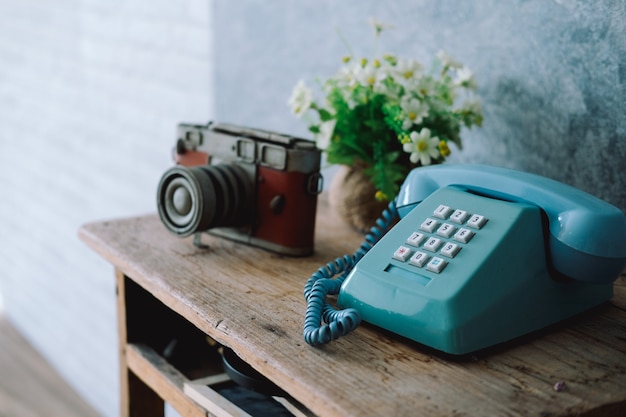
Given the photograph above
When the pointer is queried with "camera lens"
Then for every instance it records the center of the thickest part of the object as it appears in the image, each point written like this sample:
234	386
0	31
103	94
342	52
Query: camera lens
181	201
195	199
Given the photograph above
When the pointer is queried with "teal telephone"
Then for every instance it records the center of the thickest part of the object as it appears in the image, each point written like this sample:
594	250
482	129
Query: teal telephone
480	255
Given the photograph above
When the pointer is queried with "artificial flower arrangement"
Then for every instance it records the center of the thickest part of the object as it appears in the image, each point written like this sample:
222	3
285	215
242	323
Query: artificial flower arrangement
387	115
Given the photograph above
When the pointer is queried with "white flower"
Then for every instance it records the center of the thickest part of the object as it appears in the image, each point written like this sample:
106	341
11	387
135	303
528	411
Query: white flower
370	75
422	147
414	112
301	99
448	61
425	86
346	76
322	139
409	69
465	78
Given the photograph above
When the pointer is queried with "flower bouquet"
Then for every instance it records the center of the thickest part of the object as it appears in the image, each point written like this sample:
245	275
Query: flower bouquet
388	115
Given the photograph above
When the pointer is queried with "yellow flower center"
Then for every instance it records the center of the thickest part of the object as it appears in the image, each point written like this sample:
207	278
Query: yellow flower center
422	146
371	80
443	148
407	74
376	63
412	115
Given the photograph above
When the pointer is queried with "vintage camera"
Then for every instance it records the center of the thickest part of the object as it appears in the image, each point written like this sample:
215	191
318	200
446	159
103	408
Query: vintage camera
249	185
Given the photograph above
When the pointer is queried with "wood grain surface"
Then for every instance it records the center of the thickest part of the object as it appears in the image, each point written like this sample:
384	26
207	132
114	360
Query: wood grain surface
251	300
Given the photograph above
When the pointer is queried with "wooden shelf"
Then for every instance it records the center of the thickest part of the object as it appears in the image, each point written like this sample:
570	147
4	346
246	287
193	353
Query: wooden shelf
165	380
251	301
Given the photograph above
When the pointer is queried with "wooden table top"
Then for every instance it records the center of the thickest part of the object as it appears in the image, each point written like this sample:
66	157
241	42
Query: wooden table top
251	300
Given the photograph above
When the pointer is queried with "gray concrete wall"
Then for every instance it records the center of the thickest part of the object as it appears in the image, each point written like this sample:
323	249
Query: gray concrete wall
552	74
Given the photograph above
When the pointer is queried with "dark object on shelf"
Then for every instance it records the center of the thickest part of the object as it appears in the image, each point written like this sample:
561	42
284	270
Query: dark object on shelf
246	376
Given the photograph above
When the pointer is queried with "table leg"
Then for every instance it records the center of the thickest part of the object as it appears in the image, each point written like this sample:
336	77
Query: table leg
136	398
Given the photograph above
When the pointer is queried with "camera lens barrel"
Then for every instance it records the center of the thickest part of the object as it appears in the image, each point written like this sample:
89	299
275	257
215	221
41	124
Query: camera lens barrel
195	199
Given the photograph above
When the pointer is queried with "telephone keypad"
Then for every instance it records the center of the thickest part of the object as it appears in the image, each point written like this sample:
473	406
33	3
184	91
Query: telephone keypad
432	236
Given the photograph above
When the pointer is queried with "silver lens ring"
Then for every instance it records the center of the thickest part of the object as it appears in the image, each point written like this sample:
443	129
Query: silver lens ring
179	201
185	200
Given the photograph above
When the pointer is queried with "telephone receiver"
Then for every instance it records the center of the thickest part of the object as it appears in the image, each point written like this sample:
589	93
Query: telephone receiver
587	236
480	255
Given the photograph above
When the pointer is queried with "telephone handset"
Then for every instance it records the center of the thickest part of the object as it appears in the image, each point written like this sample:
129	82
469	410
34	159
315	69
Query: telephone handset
479	256
587	239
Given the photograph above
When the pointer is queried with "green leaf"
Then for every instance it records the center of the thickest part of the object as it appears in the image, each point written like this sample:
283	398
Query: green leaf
324	115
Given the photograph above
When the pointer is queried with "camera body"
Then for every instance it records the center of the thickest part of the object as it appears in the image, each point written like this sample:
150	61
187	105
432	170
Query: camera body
249	185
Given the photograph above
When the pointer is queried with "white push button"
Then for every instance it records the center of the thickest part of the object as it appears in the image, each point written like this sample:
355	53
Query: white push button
477	221
436	265
433	244
419	259
463	235
442	212
416	239
446	230
429	225
459	216
450	250
402	253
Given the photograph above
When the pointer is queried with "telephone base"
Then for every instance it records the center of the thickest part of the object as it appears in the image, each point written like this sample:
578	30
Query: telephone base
492	288
503	321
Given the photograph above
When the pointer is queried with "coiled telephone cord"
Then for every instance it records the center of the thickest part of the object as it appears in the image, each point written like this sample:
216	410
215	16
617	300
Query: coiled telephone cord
321	284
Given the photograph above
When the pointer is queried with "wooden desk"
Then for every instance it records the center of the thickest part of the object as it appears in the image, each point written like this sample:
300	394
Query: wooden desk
251	301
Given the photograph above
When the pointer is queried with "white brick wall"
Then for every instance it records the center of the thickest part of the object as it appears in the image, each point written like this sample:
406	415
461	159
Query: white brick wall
90	94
